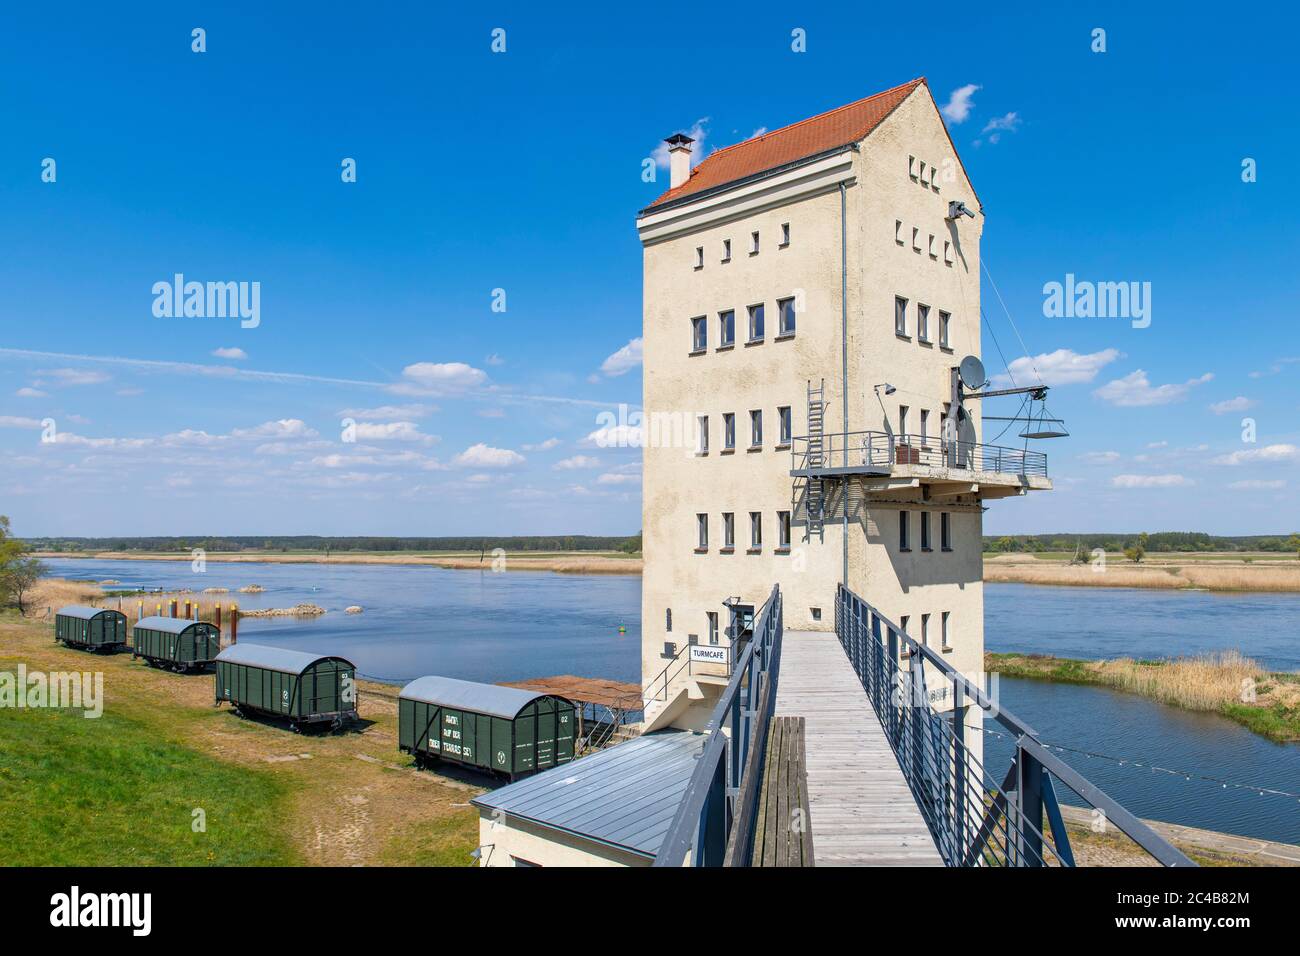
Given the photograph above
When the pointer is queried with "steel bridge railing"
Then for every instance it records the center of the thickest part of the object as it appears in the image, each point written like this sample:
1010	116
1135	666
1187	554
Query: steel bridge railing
884	450
714	824
975	820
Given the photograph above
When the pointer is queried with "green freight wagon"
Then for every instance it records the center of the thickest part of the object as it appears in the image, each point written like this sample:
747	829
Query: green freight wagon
175	642
303	688
500	729
91	628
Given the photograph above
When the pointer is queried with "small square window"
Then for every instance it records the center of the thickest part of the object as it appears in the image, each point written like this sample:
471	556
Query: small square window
753	243
785	317
699	334
756	323
726	250
816	613
726	328
785	234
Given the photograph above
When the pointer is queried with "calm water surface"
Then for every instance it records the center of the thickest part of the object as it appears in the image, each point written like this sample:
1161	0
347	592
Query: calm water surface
517	625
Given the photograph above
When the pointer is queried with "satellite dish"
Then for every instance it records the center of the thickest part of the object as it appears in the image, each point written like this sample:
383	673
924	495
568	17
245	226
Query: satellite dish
971	371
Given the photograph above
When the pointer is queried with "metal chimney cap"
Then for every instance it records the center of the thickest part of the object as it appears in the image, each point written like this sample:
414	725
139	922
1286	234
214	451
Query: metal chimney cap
679	141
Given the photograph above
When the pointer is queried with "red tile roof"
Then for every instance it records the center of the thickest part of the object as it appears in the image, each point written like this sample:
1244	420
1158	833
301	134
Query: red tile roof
839	127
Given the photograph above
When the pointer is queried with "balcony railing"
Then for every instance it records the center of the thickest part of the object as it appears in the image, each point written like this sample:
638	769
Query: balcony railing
881	452
714	824
975	819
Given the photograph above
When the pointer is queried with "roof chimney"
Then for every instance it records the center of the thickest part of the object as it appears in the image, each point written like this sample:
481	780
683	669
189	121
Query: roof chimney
679	158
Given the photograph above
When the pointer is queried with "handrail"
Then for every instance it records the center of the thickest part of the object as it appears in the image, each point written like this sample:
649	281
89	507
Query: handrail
884	450
713	825
974	819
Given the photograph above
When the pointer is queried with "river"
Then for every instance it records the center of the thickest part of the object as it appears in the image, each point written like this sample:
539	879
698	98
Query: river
516	625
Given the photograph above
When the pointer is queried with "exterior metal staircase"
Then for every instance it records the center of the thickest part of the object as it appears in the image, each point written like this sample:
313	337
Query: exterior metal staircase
814	490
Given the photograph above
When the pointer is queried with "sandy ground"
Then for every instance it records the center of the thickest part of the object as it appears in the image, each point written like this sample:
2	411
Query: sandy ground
577	562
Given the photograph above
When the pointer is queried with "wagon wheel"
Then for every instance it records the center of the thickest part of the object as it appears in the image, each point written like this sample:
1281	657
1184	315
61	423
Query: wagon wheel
336	724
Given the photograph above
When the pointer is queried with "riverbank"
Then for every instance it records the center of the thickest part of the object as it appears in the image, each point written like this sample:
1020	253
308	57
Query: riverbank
1210	572
1265	702
267	796
560	562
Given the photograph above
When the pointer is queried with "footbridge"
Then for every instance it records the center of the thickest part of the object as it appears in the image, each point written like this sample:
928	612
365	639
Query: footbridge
826	748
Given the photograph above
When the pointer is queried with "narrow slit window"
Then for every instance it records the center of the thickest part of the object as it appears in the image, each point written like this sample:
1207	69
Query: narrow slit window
702	532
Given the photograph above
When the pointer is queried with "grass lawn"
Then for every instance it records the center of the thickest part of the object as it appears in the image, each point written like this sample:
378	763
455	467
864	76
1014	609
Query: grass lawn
108	792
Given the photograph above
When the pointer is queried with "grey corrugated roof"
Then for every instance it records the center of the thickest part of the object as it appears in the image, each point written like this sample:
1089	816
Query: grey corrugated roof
625	796
83	611
275	658
491	699
168	625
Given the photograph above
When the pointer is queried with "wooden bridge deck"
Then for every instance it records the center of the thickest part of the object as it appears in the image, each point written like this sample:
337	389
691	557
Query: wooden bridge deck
861	811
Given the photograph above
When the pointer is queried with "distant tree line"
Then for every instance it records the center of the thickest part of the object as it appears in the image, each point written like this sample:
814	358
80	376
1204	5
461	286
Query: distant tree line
1147	543
570	542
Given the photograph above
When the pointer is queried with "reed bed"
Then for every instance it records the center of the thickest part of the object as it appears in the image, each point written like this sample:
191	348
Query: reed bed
1238	577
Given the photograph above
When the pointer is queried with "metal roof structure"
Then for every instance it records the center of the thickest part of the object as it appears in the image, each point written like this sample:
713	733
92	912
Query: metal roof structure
84	612
615	695
275	658
491	699
168	625
624	797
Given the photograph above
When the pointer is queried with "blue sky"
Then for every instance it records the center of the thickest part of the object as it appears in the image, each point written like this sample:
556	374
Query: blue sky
521	171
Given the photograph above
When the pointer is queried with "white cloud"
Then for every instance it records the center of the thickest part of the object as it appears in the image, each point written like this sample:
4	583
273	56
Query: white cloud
1136	389
485	456
1238	404
494	359
280	429
1267	454
1062	367
578	461
30	393
14	421
438	378
543	446
959	104
1256	484
624	360
75	376
611	478
994	128
616	436
699	132
230	353
1150	481
392	431
388	411
1099	457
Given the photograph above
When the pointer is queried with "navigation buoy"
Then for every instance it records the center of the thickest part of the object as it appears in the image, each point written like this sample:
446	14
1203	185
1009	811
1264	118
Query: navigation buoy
622	629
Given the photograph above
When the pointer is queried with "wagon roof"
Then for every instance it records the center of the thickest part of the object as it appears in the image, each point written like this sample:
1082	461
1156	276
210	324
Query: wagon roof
84	611
624	796
491	699
275	658
170	625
